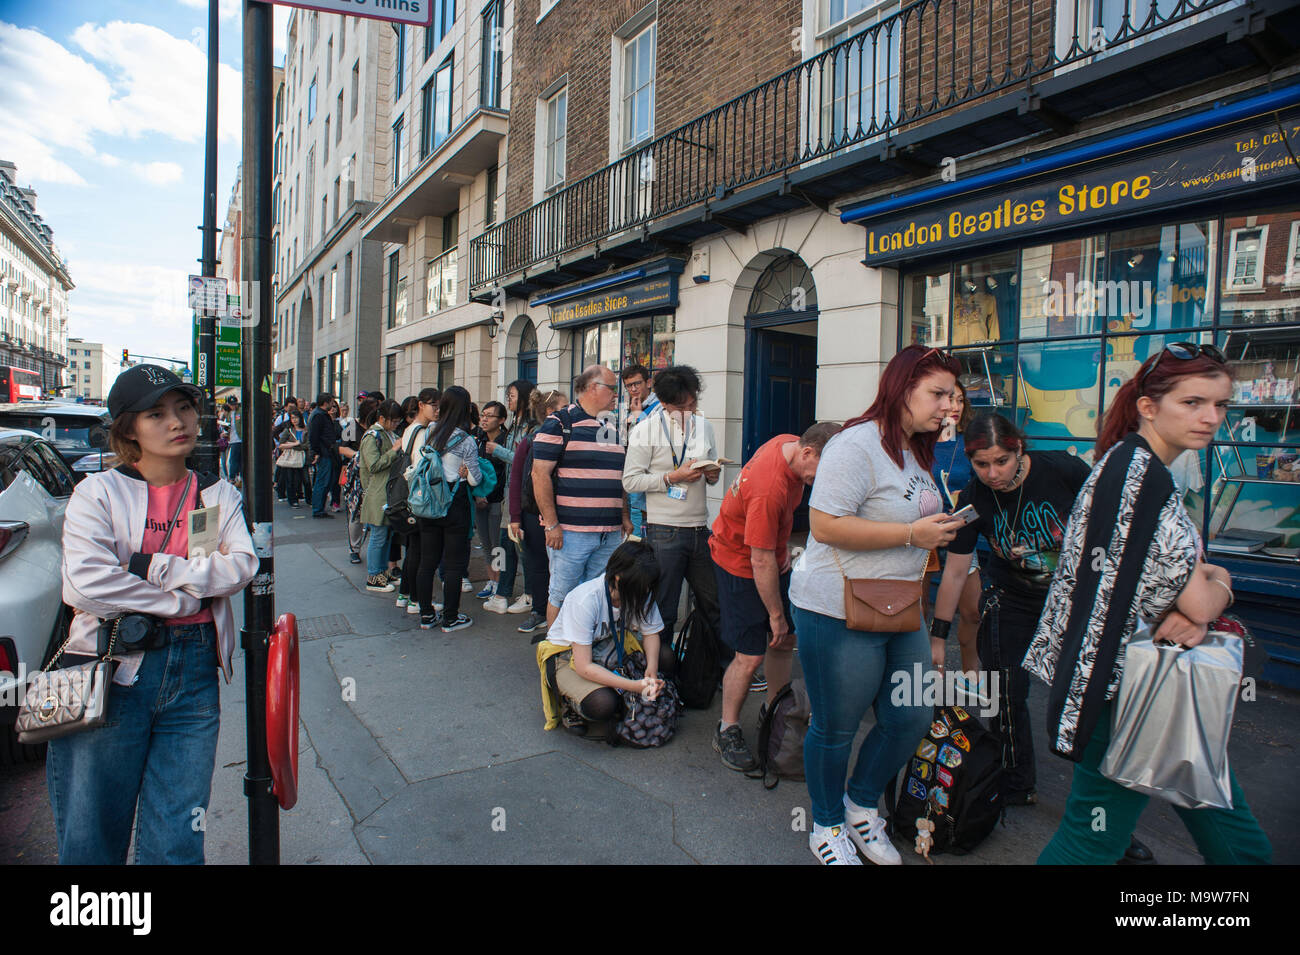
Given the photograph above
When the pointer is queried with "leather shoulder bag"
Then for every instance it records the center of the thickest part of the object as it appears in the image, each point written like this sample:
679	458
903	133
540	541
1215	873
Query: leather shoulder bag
880	605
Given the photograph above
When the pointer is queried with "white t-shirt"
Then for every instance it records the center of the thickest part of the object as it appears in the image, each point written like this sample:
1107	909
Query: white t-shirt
584	618
857	477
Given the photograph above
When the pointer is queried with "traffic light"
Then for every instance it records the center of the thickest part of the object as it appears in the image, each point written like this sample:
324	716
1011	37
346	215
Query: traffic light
126	358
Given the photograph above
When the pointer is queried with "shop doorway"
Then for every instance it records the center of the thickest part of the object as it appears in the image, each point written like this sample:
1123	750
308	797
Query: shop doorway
781	358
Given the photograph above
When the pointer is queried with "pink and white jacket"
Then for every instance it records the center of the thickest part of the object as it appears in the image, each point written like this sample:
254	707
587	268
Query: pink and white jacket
105	575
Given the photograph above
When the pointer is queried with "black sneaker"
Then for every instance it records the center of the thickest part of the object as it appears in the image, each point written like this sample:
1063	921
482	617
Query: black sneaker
354	557
322	514
460	623
429	621
731	745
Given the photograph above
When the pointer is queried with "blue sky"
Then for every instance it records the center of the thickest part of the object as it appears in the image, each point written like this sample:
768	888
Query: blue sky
104	113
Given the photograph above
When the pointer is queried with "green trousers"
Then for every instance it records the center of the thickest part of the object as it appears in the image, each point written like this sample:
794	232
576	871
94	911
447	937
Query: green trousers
1100	817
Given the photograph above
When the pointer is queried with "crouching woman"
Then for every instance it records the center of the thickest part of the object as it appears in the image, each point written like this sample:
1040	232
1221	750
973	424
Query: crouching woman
579	654
127	553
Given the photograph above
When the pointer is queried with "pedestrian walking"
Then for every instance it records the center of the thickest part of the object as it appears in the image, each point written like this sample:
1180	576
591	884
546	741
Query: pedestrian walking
321	442
1131	550
293	458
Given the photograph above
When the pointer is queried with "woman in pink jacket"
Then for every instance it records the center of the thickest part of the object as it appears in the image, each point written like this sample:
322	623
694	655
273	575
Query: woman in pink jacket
128	561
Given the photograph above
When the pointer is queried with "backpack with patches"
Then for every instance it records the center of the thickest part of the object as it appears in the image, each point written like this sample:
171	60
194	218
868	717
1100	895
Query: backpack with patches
397	510
954	779
781	729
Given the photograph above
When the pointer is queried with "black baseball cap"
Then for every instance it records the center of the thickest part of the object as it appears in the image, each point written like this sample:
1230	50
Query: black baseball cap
141	387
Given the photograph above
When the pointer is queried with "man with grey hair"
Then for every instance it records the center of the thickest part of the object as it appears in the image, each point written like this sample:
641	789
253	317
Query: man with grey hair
578	483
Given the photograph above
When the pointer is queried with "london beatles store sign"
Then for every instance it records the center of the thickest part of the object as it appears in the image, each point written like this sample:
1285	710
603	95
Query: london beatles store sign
414	12
1253	156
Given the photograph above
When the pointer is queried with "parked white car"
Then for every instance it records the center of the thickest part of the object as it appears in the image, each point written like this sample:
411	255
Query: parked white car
35	484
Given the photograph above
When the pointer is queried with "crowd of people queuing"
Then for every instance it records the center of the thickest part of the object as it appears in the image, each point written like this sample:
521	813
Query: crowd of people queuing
599	515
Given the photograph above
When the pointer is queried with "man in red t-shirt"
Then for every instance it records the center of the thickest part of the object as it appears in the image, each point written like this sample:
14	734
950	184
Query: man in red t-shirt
751	556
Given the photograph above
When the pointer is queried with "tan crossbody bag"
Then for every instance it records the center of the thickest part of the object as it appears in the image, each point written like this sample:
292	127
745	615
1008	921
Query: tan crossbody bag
878	605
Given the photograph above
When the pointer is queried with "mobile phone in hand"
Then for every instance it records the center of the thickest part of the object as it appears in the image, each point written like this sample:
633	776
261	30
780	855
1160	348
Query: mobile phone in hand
967	515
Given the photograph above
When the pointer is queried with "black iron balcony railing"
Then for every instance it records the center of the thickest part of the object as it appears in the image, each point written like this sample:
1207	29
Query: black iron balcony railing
927	57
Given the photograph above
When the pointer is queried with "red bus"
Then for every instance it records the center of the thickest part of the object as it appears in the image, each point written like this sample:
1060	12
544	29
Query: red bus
19	384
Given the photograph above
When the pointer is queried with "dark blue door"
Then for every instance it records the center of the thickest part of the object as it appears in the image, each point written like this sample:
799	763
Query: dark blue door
781	392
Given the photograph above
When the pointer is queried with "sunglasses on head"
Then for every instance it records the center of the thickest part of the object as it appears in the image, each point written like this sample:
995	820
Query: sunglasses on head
1184	351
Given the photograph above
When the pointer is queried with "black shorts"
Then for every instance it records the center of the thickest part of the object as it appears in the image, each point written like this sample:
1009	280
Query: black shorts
745	625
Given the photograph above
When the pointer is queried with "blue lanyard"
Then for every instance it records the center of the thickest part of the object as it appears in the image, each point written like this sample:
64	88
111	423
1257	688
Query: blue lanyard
618	633
686	438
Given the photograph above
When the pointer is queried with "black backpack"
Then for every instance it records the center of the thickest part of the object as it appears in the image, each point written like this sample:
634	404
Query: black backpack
954	778
698	663
397	511
527	498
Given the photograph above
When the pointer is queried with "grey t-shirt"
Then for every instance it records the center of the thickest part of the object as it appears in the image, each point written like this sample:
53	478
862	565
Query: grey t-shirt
856	476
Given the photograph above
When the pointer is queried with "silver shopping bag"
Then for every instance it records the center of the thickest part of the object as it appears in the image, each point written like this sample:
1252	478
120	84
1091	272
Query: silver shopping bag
1171	719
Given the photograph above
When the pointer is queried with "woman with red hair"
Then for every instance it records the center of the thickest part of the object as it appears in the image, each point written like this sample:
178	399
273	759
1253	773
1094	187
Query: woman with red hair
875	513
1131	550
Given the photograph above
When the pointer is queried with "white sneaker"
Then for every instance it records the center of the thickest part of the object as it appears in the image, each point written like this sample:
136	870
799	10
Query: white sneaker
465	586
495	605
522	605
414	607
867	830
831	846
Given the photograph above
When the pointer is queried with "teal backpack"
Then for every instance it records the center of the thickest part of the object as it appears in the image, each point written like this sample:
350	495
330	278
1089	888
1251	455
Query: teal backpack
429	495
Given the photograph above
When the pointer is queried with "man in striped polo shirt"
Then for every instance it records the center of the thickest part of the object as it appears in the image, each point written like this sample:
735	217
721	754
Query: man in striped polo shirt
579	486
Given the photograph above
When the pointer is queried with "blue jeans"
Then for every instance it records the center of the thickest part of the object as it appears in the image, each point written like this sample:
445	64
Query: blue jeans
377	549
158	748
583	557
848	672
320	484
234	460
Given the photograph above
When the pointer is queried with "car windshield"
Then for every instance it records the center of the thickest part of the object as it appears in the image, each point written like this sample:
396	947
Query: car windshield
65	432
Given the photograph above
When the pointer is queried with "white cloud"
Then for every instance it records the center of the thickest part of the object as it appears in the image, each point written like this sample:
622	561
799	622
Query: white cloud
57	103
164	81
54	102
109	160
141	306
158	173
226	9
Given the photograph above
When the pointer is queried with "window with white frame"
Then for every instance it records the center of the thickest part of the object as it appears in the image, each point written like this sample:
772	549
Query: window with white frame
556	120
311	100
1246	258
860	94
639	87
334	293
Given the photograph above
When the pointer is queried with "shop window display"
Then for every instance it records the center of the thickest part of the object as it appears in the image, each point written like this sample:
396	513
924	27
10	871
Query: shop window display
1158	277
1048	333
984	300
926	298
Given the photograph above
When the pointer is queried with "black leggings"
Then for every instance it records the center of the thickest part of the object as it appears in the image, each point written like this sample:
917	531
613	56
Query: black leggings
444	540
537	566
292	478
1017	618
